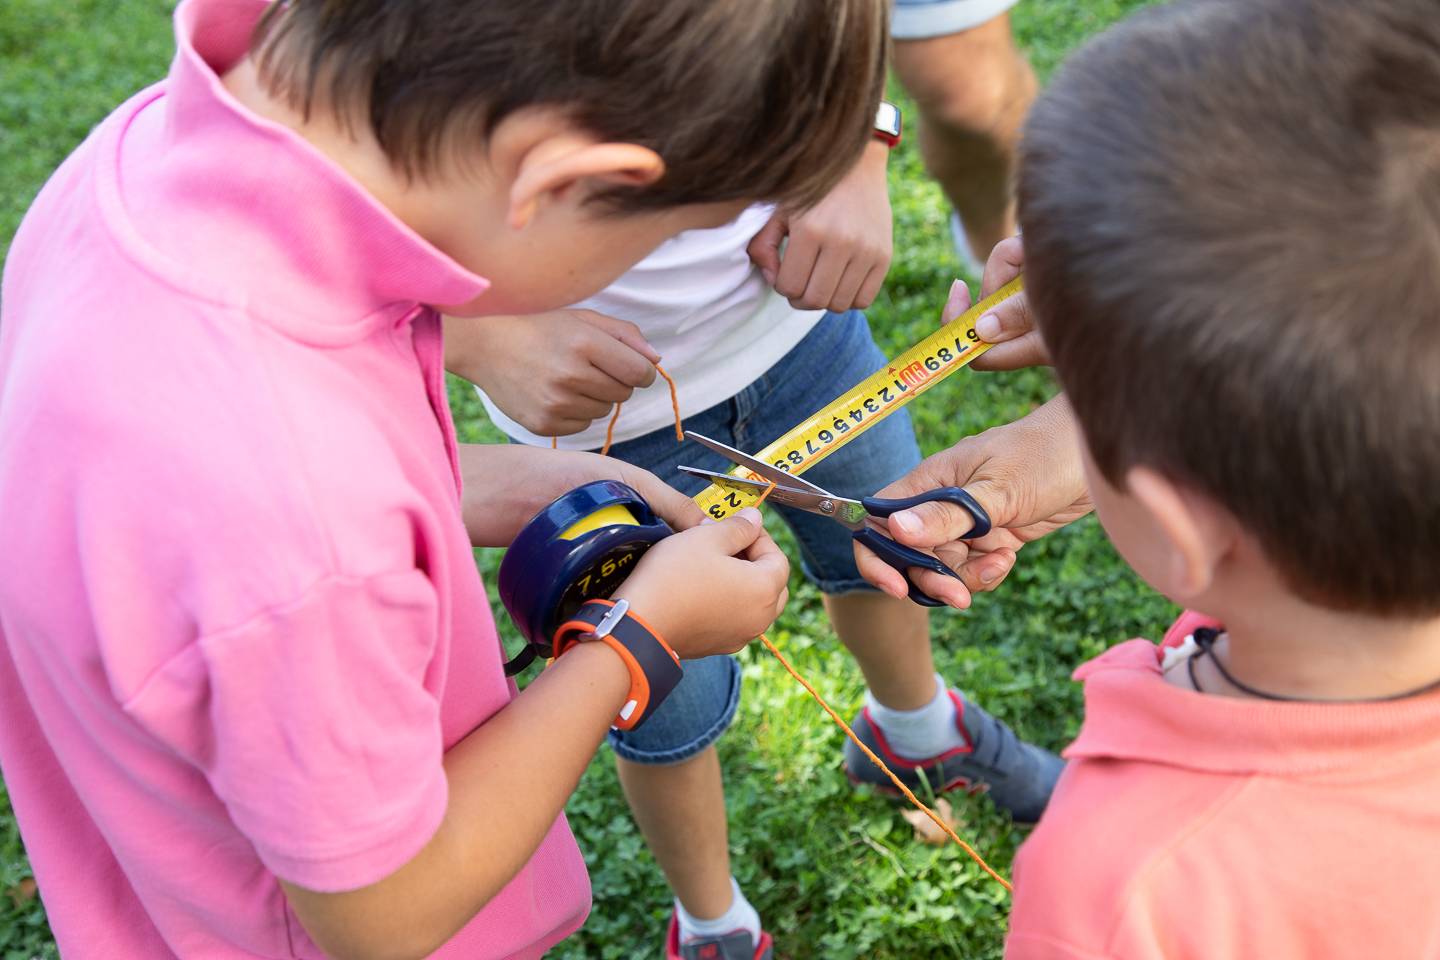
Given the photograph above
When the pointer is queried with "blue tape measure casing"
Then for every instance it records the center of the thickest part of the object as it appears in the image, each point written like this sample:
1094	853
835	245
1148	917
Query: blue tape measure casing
581	547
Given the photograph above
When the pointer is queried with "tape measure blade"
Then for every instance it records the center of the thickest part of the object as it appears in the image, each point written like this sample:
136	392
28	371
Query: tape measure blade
910	374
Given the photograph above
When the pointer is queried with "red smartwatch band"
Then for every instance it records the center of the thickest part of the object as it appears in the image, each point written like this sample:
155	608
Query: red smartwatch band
654	667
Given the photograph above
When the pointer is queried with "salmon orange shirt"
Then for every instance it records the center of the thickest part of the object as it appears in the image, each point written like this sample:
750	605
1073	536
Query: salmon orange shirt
1189	826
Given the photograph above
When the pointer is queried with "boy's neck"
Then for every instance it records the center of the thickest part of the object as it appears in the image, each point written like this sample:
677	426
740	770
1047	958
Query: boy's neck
353	150
1282	645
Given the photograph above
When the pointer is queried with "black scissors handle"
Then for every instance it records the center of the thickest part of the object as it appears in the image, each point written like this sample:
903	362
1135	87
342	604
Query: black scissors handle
878	507
901	557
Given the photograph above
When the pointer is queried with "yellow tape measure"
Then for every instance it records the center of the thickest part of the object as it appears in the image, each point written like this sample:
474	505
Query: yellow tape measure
868	402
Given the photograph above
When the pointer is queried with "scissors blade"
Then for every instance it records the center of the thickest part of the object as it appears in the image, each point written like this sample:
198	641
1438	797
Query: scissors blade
758	467
849	513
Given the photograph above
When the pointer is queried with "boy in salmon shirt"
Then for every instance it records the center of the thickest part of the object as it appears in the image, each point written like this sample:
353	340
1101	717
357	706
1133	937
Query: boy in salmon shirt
251	697
1231	215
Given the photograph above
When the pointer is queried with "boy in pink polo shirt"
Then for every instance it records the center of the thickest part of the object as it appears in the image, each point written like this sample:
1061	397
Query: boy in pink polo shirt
1231	213
251	697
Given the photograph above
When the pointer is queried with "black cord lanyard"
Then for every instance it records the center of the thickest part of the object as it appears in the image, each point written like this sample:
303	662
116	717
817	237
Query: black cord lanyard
1205	638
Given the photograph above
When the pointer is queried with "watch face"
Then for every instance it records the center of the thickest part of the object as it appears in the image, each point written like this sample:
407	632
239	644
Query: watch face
887	119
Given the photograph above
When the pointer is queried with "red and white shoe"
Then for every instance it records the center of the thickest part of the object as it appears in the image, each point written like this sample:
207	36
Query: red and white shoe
736	945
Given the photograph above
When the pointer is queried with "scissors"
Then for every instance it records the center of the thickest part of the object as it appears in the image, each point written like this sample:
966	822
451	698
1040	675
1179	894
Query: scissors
792	491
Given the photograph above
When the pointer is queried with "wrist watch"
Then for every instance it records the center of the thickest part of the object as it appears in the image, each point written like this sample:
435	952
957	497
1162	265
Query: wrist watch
654	667
887	123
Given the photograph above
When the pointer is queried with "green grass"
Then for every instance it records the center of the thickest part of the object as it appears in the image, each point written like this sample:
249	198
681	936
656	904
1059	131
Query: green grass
835	874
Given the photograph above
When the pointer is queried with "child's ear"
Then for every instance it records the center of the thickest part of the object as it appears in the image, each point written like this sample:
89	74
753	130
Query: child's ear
1197	531
552	170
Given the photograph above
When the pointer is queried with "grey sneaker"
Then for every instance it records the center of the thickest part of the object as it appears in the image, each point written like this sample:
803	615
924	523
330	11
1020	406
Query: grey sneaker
738	945
1019	776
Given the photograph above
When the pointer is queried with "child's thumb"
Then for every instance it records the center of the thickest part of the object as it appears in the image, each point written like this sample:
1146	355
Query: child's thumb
733	534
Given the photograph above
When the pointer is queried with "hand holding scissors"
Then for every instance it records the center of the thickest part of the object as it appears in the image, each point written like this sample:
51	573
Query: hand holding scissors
792	491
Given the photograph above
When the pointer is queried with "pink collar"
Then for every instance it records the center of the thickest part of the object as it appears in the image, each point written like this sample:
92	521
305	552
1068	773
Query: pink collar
241	210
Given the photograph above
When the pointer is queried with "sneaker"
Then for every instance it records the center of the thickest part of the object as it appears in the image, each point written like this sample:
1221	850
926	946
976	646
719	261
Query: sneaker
1019	776
738	945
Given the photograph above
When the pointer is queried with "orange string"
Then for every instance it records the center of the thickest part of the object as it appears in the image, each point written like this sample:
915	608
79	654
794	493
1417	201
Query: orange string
610	428
674	404
789	668
939	821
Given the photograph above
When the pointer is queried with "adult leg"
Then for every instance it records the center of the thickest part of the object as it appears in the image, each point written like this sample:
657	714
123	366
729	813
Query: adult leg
972	89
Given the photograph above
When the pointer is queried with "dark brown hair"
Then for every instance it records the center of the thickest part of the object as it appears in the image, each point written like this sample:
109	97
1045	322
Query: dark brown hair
1231	212
743	99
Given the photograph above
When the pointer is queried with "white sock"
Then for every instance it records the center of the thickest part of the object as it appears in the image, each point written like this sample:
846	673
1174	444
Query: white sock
919	734
740	916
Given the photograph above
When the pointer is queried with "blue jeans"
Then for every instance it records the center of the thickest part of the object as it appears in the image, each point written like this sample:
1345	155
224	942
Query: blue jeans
838	353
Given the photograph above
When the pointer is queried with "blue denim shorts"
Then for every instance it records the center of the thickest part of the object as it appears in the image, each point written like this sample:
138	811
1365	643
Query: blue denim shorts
838	353
922	19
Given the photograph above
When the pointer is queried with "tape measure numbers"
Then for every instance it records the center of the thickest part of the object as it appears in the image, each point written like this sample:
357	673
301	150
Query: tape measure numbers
868	402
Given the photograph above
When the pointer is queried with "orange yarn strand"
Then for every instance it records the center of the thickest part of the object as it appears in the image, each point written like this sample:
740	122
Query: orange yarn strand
674	403
610	430
939	821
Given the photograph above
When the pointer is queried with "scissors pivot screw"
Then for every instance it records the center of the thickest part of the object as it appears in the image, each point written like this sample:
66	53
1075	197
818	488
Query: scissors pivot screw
827	507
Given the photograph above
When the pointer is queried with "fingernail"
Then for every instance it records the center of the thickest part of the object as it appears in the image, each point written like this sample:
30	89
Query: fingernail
988	327
907	522
989	575
752	515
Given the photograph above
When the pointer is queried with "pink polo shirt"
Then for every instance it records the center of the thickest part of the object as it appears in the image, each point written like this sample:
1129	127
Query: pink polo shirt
1194	827
240	620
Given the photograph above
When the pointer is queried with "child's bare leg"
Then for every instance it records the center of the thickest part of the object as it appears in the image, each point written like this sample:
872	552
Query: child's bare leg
680	808
890	640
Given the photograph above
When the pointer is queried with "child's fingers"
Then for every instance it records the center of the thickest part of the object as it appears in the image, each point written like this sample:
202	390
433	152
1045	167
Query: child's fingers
870	289
674	507
622	330
825	278
729	537
764	248
621	361
766	557
796	267
847	290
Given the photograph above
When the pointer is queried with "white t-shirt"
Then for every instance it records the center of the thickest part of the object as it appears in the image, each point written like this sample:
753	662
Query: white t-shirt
709	313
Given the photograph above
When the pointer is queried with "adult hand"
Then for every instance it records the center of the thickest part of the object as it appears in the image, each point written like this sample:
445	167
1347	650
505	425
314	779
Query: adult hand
839	249
506	484
1010	326
552	373
1027	476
